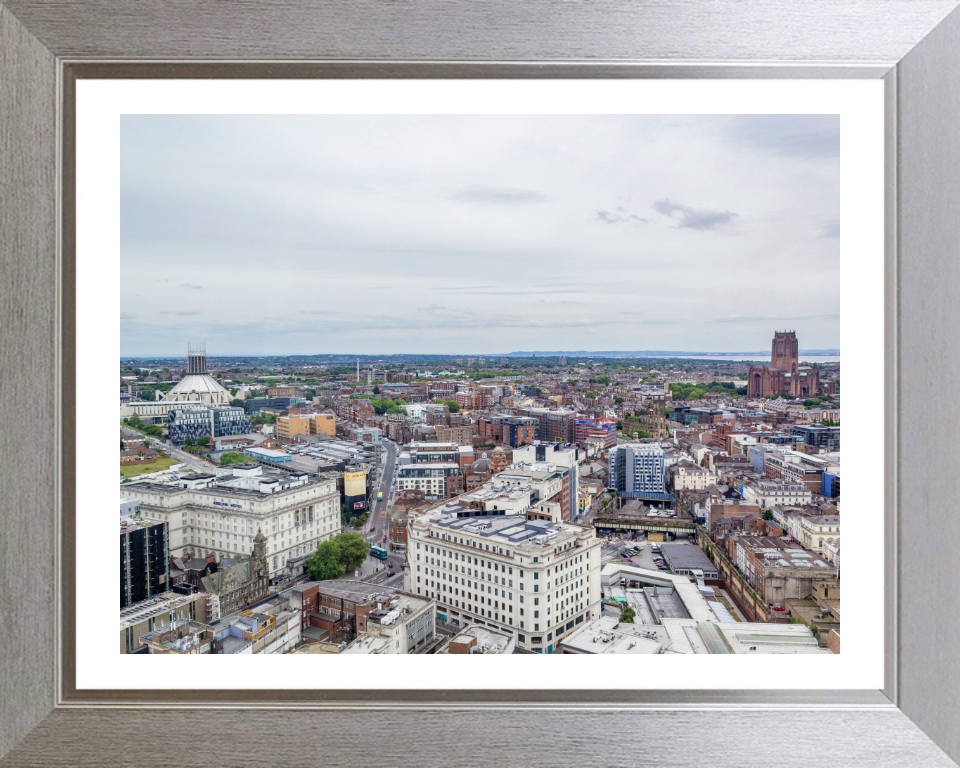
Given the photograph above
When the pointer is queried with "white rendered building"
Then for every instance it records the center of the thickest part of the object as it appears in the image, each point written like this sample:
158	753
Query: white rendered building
535	579
222	514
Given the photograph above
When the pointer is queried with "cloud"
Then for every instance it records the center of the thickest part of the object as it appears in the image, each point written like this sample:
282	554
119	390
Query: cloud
758	319
830	228
181	314
187	285
693	218
497	195
621	216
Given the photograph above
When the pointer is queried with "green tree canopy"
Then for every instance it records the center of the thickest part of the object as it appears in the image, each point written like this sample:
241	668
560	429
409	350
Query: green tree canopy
626	615
188	441
354	549
236	402
618	399
325	563
768	514
232	457
452	405
204	441
134	421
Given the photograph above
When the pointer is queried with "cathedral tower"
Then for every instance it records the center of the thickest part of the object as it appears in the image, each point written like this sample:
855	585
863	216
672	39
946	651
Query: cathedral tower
785	353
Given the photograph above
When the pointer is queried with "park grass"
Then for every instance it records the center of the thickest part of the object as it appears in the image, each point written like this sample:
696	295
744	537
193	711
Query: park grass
133	470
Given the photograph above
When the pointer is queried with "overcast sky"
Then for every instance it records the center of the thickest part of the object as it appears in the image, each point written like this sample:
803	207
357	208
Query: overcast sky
450	234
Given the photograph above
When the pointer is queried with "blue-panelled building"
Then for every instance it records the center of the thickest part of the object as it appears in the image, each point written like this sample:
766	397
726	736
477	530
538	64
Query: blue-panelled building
637	471
213	421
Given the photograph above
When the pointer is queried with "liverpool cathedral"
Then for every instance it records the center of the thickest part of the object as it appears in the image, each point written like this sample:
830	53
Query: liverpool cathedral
785	376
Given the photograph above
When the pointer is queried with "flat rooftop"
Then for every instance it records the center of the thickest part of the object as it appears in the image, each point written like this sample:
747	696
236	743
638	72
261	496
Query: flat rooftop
514	530
691	636
608	635
686	557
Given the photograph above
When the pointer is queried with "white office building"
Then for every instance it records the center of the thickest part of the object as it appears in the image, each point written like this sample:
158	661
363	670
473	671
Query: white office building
536	579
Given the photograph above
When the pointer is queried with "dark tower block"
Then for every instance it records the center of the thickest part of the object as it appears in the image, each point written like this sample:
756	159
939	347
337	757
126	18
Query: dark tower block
785	354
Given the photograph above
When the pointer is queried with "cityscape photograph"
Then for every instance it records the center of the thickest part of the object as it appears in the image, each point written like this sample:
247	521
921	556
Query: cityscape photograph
497	384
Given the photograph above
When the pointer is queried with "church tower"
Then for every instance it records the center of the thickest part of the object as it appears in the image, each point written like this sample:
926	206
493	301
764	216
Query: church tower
785	353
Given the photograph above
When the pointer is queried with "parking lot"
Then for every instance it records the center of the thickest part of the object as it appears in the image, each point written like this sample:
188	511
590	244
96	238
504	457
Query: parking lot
643	559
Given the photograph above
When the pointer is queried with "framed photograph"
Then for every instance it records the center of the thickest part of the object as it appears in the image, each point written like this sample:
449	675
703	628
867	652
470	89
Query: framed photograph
424	310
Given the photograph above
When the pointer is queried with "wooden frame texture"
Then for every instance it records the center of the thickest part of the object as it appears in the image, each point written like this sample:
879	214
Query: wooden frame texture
45	45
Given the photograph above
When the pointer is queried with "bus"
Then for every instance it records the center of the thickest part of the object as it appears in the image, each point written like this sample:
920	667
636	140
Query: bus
378	552
379	495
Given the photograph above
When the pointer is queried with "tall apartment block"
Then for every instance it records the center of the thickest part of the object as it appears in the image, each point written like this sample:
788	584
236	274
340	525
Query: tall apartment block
637	472
144	560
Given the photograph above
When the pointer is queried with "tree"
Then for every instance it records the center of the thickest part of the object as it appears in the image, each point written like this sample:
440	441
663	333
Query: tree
203	441
236	402
626	615
354	549
232	457
188	441
134	421
325	563
768	514
309	393
376	389
617	399
153	430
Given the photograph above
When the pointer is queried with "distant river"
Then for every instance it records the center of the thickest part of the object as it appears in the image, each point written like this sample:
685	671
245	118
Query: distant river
751	358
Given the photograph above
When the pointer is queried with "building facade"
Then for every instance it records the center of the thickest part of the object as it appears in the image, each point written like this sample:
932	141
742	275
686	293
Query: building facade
533	579
213	422
637	471
566	459
824	438
222	515
144	560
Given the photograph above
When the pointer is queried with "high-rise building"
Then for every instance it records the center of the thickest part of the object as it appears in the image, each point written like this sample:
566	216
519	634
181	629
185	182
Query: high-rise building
637	471
144	560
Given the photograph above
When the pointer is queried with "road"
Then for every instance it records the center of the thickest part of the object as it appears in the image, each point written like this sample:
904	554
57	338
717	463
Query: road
192	462
376	526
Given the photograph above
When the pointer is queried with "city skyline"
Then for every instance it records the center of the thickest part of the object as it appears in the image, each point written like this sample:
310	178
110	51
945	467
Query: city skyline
458	235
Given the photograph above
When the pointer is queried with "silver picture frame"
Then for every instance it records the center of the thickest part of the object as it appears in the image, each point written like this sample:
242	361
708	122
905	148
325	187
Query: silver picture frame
45	47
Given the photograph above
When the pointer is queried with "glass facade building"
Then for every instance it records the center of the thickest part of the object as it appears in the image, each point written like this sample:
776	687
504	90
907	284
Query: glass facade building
213	422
